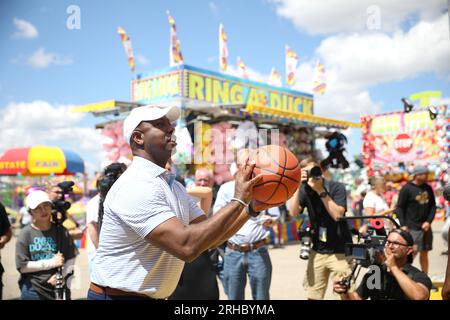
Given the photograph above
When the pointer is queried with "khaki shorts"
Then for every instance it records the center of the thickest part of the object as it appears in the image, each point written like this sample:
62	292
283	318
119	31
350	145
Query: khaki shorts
423	241
320	268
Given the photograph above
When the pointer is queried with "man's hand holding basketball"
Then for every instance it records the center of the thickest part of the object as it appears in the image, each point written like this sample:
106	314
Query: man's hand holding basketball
245	182
244	187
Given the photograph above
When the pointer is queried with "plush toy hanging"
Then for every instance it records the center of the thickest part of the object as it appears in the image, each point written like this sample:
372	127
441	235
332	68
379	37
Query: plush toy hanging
184	149
222	136
247	136
114	144
336	146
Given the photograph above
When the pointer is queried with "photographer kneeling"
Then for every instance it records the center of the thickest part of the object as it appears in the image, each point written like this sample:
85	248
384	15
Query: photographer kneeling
398	278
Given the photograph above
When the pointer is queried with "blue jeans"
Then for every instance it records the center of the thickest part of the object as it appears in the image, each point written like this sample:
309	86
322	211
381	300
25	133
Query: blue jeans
256	264
27	292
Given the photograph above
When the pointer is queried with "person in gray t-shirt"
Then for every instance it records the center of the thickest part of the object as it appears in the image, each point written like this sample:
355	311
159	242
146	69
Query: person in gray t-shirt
41	248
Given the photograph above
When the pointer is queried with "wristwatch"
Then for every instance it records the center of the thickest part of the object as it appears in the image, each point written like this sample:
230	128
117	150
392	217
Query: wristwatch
251	212
323	194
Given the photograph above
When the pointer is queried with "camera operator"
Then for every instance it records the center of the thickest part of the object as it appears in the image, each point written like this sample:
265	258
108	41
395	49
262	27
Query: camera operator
399	279
55	193
41	248
326	202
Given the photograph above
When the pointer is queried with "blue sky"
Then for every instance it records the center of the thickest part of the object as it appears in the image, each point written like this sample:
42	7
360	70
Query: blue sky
50	68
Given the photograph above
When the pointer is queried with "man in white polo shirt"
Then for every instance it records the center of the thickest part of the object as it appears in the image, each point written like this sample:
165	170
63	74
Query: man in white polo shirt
150	224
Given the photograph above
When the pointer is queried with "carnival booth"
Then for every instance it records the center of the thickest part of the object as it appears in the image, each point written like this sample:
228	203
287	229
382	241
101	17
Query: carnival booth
217	108
220	115
394	142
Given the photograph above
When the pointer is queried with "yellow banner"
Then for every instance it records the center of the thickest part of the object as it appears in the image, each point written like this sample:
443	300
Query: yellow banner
156	88
104	105
46	160
222	91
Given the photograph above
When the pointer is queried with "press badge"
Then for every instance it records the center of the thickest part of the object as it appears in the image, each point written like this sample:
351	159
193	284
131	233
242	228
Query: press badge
323	234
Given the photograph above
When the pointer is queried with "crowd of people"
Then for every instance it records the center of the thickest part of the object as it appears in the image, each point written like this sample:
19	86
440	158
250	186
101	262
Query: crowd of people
153	236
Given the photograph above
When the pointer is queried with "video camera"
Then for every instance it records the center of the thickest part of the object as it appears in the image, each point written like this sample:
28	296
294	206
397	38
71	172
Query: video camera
370	247
59	213
61	205
367	253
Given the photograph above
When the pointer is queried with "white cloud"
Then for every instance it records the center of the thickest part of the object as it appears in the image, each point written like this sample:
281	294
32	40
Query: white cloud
25	29
347	106
140	58
341	101
335	16
370	59
41	59
412	40
356	62
39	122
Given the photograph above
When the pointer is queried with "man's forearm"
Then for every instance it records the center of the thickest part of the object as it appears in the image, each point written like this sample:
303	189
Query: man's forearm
188	242
199	192
233	228
6	237
41	265
412	290
203	236
334	210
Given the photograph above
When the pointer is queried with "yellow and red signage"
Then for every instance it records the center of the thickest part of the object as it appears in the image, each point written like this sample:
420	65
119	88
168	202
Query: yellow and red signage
40	160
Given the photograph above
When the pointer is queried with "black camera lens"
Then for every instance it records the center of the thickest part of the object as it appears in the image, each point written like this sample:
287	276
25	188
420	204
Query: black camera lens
315	172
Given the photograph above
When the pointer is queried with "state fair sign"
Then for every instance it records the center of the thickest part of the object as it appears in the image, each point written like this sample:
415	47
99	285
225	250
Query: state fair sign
403	137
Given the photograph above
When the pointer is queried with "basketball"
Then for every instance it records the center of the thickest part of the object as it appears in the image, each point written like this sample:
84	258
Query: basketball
281	174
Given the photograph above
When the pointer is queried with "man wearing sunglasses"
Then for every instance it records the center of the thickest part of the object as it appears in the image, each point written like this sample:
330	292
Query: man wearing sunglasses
399	280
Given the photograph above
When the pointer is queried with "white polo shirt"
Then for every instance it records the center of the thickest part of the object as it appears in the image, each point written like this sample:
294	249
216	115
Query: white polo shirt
143	197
